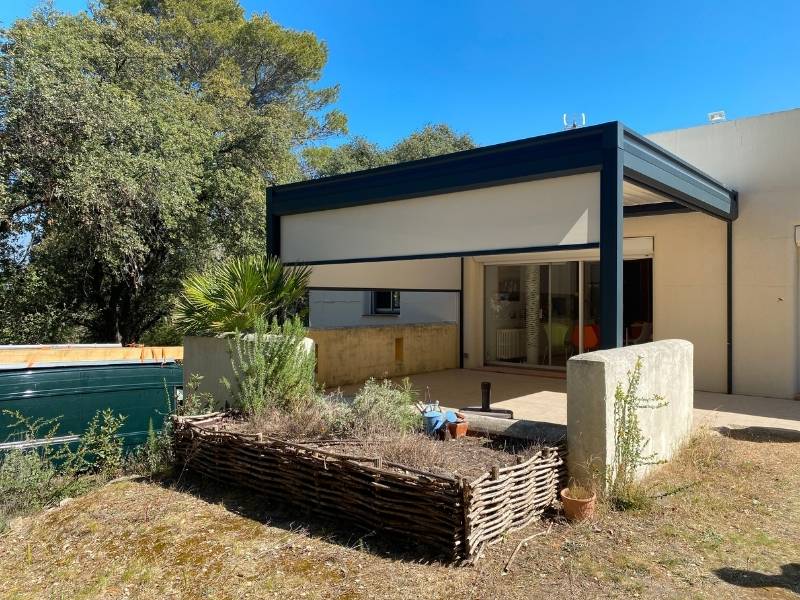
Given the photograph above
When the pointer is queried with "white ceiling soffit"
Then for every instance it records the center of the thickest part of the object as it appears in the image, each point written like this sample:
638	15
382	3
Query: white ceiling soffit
636	195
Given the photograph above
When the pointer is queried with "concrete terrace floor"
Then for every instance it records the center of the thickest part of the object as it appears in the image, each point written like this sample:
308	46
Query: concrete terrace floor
538	398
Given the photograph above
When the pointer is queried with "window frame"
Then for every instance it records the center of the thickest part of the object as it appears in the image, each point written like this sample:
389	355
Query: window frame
394	304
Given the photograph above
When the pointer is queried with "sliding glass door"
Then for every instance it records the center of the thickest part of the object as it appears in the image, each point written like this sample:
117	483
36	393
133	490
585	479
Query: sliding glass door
531	312
539	315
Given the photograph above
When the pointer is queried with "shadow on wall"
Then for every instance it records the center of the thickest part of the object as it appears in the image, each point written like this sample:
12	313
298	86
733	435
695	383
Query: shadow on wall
788	579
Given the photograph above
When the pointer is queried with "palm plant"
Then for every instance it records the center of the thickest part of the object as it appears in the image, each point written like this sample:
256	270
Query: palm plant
231	295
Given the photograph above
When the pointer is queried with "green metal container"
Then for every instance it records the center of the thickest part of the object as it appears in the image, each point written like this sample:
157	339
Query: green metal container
75	392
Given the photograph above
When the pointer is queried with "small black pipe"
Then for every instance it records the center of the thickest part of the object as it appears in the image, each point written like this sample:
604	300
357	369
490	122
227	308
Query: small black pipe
461	318
486	396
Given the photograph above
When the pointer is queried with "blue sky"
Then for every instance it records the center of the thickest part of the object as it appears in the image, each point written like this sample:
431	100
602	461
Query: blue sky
504	70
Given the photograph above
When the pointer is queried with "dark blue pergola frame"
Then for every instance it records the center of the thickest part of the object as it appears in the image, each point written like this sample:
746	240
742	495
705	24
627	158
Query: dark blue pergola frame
617	152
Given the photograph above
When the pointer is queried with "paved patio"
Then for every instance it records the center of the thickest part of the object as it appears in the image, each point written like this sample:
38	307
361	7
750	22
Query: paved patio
544	399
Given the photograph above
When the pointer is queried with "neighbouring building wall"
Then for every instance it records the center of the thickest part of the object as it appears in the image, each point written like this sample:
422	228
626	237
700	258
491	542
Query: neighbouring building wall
690	287
759	158
341	308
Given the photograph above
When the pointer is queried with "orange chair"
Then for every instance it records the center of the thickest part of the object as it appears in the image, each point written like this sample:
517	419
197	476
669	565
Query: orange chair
591	337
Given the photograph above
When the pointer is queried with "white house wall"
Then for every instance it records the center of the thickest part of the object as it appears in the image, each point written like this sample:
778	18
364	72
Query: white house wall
428	274
548	212
343	308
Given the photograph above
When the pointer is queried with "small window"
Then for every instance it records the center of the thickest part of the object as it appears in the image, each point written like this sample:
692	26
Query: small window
386	303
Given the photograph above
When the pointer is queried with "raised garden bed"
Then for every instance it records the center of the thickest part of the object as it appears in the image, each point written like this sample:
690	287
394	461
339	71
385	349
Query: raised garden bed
453	515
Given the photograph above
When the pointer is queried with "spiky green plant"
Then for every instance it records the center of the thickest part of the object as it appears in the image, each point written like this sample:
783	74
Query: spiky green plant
272	366
232	294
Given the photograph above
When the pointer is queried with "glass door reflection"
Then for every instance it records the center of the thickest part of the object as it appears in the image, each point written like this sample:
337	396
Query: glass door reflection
530	313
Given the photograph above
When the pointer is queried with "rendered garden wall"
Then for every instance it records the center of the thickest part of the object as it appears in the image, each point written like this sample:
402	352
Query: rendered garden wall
592	380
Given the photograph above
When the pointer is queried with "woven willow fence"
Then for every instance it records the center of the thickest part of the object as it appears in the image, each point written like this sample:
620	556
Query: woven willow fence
455	517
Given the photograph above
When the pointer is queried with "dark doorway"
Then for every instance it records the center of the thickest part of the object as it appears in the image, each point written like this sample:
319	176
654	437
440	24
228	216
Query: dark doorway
637	301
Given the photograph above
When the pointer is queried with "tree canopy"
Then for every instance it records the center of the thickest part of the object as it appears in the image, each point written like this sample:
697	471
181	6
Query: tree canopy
136	143
359	153
137	140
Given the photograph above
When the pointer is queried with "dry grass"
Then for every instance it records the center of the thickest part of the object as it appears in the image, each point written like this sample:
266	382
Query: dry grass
465	457
727	527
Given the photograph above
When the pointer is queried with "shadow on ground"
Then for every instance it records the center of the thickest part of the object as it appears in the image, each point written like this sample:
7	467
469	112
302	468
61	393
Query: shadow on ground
293	519
761	434
788	579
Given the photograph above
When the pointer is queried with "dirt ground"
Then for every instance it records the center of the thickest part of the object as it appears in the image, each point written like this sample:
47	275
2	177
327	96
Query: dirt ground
726	524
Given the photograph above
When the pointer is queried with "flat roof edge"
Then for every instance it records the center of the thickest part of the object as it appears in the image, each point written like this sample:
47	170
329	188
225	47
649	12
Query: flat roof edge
550	155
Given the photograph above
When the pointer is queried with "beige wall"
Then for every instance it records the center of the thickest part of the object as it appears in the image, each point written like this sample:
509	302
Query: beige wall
210	358
344	354
473	313
592	380
509	216
689	288
760	158
689	297
353	354
428	274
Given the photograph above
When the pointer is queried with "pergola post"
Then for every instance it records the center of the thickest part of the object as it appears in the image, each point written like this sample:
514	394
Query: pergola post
611	234
273	228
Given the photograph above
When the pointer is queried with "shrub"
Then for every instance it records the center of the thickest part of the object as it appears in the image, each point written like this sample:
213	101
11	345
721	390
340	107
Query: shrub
630	444
28	482
380	407
101	444
43	474
194	401
163	333
155	455
272	367
233	294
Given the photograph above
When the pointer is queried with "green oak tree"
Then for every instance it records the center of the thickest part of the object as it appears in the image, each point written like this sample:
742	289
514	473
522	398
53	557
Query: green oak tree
136	143
359	153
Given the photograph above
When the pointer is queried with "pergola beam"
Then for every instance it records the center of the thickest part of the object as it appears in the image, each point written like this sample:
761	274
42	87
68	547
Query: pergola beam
650	165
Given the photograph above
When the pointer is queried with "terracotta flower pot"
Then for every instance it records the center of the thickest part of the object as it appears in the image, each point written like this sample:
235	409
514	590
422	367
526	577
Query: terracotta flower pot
577	509
458	429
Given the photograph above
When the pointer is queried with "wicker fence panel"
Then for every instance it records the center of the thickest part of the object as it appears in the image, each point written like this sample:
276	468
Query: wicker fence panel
509	498
454	517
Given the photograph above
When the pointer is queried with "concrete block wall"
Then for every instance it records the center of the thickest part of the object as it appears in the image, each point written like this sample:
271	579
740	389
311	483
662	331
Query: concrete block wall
344	354
211	358
592	378
352	354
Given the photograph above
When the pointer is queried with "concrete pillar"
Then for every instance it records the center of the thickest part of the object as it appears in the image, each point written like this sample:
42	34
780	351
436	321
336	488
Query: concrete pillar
592	379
